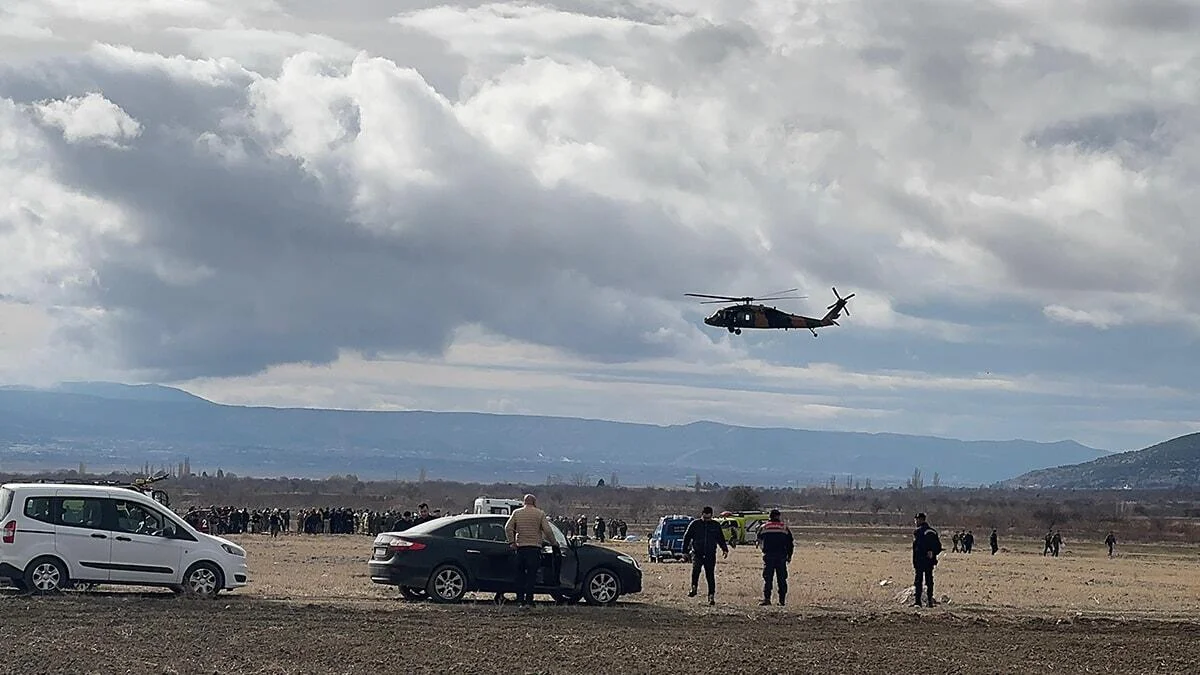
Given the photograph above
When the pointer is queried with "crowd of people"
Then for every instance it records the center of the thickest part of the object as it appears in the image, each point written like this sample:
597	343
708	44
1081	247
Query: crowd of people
221	520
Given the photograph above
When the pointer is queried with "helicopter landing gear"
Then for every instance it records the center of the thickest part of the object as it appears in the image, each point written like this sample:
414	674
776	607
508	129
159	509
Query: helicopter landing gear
737	331
813	332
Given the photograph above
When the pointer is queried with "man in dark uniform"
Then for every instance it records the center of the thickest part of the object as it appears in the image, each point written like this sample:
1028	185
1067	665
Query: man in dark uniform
1111	542
777	544
703	536
994	540
926	547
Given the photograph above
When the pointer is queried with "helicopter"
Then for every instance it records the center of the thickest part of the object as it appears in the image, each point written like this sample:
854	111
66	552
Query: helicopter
747	315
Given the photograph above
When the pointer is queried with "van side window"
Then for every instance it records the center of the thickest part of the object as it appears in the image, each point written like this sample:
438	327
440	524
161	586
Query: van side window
137	519
78	512
38	508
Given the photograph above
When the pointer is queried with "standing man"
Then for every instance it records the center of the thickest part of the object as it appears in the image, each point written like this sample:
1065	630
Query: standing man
423	514
1111	542
703	536
926	547
525	530
994	540
777	544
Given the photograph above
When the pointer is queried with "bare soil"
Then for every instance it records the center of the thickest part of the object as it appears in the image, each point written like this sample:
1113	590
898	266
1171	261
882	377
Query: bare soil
311	609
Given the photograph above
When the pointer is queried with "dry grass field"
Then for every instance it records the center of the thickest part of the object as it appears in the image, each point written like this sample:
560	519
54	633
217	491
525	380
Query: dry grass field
311	609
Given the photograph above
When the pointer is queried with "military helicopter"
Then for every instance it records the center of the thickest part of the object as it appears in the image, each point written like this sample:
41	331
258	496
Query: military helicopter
748	315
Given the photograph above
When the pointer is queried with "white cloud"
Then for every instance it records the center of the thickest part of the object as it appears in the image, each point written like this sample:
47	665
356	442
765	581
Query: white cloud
90	118
1099	319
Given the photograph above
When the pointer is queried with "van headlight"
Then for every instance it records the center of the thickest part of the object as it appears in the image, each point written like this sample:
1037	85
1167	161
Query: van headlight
629	560
234	550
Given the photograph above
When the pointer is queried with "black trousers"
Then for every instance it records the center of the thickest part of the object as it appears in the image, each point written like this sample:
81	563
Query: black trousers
774	568
924	573
529	558
709	564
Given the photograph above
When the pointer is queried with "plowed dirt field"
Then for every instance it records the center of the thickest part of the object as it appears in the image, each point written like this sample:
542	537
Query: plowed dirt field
310	609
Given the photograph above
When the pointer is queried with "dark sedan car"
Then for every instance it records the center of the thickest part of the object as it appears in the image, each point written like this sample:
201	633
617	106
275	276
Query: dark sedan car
444	558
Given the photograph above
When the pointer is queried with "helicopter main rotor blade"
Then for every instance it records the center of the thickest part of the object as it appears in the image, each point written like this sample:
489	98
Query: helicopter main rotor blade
718	297
783	292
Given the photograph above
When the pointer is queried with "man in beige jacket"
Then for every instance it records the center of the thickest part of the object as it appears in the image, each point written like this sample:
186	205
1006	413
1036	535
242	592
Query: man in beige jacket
526	529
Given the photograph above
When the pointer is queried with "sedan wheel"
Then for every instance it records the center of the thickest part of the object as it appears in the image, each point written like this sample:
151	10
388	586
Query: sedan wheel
602	587
447	584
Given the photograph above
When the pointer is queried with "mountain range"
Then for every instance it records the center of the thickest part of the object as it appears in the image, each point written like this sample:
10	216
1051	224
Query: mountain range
1170	464
110	426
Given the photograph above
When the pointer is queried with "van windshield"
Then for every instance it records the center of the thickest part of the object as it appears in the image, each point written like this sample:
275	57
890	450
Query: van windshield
6	497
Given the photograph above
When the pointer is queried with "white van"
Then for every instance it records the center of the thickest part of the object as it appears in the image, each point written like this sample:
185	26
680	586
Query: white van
497	506
57	535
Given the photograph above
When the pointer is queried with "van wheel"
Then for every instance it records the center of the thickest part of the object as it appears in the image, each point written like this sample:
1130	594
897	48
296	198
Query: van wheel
202	580
447	584
602	587
46	575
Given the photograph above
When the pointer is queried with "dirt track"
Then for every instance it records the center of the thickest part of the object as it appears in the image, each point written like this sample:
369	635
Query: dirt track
134	633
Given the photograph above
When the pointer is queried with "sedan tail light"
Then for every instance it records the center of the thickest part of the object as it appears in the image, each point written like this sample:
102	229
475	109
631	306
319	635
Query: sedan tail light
405	545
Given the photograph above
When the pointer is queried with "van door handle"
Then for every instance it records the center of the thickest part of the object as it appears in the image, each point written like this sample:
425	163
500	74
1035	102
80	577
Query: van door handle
124	539
99	536
470	550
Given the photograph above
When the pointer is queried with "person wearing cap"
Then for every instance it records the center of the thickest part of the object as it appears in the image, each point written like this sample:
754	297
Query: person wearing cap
525	530
777	544
926	547
702	537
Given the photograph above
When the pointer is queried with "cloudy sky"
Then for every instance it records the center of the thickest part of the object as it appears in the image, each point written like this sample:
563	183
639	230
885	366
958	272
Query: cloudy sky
416	204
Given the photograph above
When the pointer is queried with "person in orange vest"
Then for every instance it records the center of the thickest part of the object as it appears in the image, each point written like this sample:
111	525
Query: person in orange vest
775	539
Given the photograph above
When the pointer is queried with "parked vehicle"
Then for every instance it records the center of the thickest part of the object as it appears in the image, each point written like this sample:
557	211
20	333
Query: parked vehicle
741	527
497	506
667	541
63	535
445	558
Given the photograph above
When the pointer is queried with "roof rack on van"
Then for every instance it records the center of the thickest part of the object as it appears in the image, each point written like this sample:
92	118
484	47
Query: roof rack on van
142	485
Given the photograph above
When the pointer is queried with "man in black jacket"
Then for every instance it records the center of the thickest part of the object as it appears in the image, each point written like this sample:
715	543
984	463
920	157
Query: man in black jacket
926	547
702	537
777	543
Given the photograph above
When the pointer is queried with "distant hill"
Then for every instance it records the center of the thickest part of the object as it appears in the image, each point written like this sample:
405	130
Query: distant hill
1170	464
113	426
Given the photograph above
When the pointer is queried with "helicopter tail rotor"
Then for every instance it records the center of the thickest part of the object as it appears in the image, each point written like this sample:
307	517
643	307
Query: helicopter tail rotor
841	302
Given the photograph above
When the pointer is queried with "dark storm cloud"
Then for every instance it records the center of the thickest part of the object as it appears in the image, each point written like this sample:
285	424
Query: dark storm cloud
1139	129
275	269
1176	16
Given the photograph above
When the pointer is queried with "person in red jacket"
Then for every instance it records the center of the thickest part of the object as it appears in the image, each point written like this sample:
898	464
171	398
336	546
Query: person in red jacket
776	541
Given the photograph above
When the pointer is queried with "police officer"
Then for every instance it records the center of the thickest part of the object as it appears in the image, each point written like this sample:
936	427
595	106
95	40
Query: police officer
777	544
703	536
925	549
